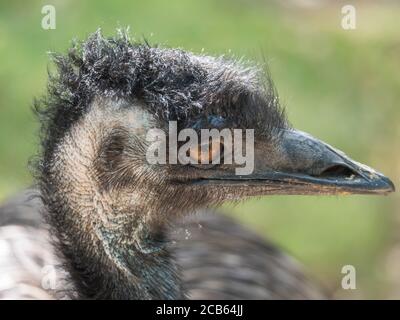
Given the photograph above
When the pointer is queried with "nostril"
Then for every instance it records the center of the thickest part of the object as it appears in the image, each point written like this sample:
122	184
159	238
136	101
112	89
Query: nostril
338	170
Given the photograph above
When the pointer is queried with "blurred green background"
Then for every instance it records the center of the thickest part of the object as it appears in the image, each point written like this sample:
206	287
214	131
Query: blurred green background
342	86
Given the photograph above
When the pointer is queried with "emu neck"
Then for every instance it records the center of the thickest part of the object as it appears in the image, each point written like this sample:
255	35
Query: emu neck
110	245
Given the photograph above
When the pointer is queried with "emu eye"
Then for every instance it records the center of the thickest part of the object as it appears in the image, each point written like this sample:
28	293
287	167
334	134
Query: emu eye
207	155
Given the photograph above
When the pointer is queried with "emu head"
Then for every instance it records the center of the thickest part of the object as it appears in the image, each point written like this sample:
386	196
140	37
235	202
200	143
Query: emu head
109	93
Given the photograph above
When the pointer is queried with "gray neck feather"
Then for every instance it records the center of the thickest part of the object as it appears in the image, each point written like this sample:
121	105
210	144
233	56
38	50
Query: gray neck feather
104	236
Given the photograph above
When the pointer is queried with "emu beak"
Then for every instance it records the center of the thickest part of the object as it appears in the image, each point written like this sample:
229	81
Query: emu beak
301	164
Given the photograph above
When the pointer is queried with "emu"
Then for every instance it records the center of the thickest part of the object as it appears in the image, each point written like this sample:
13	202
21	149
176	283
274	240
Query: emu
121	228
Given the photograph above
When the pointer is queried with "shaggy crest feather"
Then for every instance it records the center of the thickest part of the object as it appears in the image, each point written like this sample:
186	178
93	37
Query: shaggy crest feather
172	83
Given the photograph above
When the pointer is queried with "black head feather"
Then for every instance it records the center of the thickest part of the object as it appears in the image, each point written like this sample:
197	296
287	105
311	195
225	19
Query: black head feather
172	83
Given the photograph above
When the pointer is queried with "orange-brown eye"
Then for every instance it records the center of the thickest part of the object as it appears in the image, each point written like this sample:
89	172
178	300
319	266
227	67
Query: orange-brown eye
207	153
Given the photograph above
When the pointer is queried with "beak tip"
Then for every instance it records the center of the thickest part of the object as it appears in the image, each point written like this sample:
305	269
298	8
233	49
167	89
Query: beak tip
392	188
386	185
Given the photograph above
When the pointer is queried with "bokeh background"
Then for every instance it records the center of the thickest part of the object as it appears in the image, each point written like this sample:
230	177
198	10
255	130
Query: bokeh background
342	86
